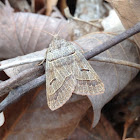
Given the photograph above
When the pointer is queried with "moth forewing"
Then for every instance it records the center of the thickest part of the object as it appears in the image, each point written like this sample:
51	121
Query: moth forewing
60	82
88	82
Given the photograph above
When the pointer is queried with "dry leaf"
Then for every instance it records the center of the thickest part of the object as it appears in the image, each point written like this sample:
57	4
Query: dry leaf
49	6
131	118
100	132
57	14
2	119
114	77
129	13
26	32
62	4
132	139
112	23
21	5
39	6
90	10
30	118
81	27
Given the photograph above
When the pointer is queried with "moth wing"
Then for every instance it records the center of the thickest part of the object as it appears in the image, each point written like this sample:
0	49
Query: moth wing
88	82
60	82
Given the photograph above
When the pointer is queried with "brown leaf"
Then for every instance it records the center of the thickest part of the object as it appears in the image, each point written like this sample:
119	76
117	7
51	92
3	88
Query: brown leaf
30	118
21	5
132	139
88	11
130	119
129	13
23	33
49	6
56	14
115	77
62	4
100	132
38	5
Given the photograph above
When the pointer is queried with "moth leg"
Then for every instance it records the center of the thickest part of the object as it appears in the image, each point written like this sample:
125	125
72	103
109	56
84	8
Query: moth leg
43	59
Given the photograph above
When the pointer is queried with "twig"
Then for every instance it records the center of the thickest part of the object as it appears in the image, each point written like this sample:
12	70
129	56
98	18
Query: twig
21	60
111	42
69	16
20	79
18	92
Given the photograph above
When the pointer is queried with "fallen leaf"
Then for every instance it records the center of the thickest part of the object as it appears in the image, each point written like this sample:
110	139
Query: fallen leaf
132	139
112	23
90	10
30	118
115	77
129	13
49	6
131	119
32	110
26	32
20	5
38	5
100	132
57	14
2	119
62	4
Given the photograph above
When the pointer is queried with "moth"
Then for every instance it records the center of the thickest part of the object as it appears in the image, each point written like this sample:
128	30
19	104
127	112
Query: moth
67	72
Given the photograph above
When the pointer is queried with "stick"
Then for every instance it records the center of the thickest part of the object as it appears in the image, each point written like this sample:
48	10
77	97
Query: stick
18	92
20	79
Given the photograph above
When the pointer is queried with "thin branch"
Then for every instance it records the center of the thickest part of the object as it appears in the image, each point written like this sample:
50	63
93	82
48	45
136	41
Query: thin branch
21	60
20	79
114	41
18	92
69	16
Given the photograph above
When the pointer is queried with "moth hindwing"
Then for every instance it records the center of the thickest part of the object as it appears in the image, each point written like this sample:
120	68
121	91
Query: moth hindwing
67	72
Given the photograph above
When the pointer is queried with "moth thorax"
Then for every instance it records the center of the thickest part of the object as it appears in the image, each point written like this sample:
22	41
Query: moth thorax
58	43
